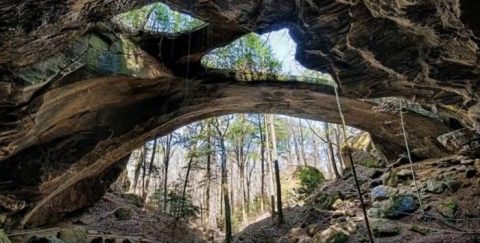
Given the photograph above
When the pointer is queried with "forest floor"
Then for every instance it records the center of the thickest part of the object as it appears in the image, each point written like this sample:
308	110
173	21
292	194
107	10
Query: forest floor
449	188
116	218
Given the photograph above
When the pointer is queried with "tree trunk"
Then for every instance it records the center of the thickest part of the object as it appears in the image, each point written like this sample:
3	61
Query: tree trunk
244	195
262	156
316	154
329	165
270	167
302	142
150	170
138	168
330	150
228	219
208	174
166	160
231	187
295	143
338	141
185	184
279	193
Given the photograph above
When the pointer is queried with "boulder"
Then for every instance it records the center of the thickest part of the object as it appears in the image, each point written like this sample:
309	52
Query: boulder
390	179
382	192
305	239
331	235
373	173
453	185
283	240
308	179
447	208
420	230
365	151
336	233
300	184
477	164
461	140
471	172
323	201
123	213
404	174
400	206
435	186
73	235
462	168
385	229
45	239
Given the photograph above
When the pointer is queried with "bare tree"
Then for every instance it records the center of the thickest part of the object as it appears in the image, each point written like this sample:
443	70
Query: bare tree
208	172
302	141
262	156
270	167
151	168
223	154
138	167
330	149
167	153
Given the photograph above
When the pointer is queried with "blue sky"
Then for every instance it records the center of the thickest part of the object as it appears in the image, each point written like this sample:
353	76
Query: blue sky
284	49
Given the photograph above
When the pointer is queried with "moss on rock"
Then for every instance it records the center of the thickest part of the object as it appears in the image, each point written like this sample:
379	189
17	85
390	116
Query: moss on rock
123	213
72	235
310	178
448	208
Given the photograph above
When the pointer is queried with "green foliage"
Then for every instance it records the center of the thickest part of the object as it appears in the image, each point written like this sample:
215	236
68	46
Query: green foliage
310	179
371	163
282	135
250	56
340	238
158	17
177	205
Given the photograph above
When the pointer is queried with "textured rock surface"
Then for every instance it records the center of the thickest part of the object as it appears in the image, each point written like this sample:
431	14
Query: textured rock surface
70	118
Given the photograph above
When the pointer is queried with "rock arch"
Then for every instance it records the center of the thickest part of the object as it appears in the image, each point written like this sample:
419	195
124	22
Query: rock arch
76	126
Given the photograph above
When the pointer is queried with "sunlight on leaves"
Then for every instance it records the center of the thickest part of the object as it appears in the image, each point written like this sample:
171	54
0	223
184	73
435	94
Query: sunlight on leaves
158	17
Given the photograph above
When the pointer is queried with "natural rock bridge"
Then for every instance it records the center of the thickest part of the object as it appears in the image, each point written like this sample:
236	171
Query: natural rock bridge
73	105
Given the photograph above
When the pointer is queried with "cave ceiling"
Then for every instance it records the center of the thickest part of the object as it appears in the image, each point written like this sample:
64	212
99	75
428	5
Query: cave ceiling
73	104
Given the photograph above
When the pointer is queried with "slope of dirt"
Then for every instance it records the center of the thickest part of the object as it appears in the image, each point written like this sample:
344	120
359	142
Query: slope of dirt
119	218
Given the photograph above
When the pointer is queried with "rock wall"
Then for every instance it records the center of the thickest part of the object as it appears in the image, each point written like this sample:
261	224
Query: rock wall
78	92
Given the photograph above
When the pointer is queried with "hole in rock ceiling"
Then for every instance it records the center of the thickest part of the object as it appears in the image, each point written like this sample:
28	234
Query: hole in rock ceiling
259	57
158	17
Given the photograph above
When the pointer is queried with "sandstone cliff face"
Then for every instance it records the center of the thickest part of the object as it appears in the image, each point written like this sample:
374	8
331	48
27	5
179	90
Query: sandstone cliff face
71	111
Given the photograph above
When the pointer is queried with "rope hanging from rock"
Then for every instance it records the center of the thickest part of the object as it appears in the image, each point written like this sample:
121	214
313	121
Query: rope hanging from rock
410	156
357	184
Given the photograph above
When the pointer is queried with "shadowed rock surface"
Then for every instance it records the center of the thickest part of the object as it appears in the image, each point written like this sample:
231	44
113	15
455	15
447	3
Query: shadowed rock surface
73	104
